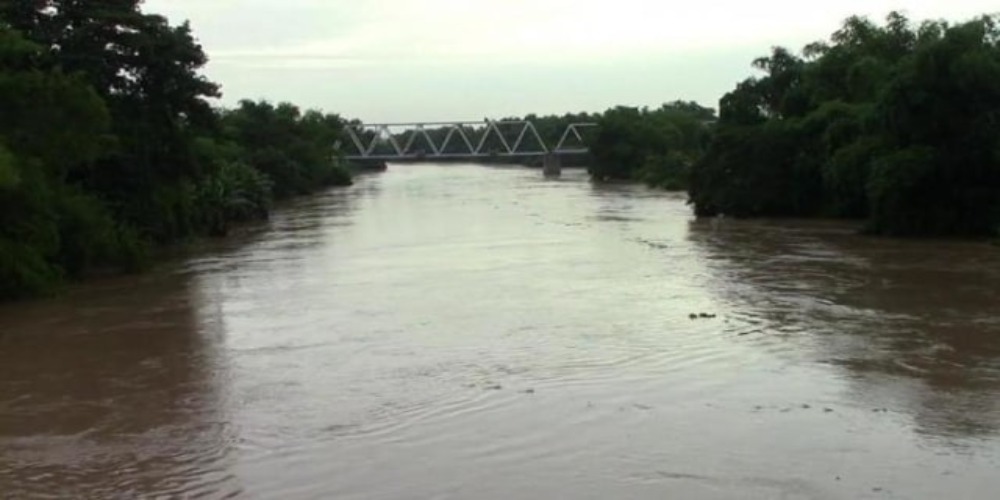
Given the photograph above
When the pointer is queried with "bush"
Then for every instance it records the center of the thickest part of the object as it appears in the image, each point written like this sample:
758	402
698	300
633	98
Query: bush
24	272
235	192
669	171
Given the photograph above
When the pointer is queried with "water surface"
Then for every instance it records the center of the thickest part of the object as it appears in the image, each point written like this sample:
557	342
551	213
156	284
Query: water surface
460	331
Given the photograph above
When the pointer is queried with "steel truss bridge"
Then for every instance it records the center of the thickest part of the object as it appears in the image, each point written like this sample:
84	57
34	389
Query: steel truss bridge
461	139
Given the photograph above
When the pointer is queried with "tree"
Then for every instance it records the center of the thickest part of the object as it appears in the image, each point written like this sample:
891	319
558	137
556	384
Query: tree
654	146
108	143
893	124
52	125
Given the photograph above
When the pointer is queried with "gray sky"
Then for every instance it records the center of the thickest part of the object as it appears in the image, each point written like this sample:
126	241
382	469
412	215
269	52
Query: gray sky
426	60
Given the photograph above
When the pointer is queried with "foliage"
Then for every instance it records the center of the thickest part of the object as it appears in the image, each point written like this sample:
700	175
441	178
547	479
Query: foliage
295	150
896	124
654	146
9	176
235	192
109	144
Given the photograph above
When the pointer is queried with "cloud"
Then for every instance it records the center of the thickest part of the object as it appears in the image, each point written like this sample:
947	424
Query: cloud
393	58
403	30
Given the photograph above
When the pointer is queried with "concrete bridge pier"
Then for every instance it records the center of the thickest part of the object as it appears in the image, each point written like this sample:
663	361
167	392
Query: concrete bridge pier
552	165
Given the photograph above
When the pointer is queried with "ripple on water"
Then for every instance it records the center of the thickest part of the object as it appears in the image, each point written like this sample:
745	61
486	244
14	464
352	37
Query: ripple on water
470	332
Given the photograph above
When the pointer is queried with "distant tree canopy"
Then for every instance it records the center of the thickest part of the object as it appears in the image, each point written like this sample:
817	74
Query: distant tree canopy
109	144
897	124
657	146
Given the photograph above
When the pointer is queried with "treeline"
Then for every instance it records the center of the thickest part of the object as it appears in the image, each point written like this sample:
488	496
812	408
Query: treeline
109	146
658	147
897	124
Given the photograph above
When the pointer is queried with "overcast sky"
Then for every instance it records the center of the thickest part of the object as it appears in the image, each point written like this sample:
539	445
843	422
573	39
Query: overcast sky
426	60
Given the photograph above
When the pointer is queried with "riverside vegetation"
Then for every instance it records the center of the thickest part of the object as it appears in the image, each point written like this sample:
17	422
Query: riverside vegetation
895	124
109	146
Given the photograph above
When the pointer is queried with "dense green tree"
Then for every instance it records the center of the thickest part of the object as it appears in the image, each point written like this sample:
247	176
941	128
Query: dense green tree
51	125
654	146
896	124
146	72
108	143
295	149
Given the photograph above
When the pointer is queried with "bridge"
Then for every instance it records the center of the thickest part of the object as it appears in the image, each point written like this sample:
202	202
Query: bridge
458	140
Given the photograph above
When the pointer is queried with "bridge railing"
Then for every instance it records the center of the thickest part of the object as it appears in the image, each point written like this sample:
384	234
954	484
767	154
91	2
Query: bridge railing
461	139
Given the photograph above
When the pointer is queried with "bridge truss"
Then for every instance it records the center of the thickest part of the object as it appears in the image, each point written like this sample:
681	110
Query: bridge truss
462	139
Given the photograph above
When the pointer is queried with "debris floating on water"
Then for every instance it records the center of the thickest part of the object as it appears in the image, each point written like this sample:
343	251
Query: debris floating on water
702	316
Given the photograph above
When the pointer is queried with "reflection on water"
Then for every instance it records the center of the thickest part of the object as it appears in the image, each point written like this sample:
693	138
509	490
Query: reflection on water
113	391
470	332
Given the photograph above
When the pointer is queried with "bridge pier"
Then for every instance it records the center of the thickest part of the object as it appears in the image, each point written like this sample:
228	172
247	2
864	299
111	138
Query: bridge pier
552	165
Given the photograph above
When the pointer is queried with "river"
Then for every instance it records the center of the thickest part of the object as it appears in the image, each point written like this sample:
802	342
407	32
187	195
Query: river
470	332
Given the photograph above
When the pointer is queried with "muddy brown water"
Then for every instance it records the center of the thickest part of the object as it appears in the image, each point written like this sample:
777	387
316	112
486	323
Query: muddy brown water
460	331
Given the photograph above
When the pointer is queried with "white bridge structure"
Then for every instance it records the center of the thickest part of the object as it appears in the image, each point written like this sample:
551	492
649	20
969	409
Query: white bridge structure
459	140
